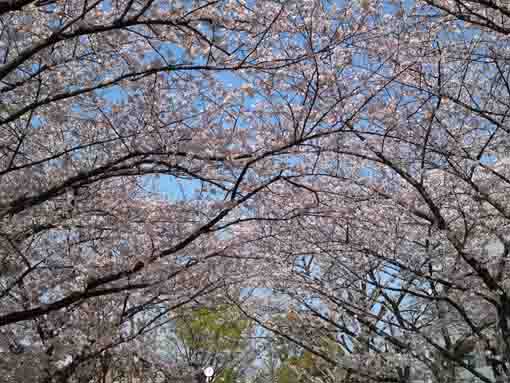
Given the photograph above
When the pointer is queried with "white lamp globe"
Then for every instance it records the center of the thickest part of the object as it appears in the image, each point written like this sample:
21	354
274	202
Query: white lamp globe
209	371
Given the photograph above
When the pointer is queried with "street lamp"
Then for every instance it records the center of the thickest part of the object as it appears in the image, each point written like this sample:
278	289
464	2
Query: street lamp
208	372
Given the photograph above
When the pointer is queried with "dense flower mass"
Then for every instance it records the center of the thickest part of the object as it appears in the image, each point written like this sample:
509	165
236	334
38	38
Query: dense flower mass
324	181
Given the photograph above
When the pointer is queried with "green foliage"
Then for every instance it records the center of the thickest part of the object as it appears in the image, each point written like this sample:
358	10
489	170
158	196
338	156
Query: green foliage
6	108
286	374
228	375
215	330
297	368
331	347
300	365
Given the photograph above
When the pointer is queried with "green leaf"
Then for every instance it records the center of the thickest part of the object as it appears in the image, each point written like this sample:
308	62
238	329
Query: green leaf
215	330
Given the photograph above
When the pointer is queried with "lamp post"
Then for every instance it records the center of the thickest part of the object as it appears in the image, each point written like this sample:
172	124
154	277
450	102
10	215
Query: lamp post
208	372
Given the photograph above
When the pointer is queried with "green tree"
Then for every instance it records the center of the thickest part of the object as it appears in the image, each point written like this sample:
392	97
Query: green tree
216	329
292	363
217	337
